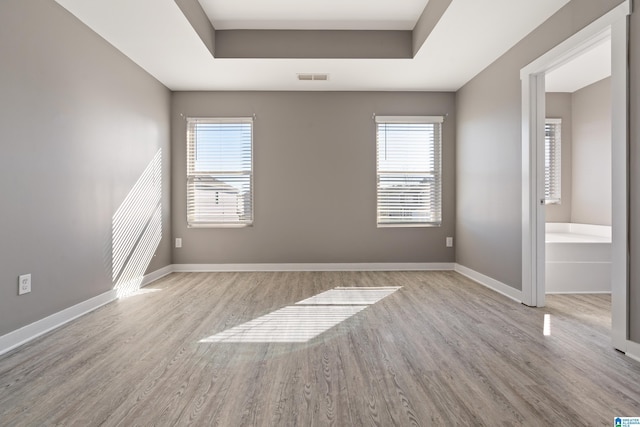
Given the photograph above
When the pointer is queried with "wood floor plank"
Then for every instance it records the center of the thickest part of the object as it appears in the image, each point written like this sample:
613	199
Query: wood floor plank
441	350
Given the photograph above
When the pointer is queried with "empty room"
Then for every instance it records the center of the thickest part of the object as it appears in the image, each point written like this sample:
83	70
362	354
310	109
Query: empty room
291	213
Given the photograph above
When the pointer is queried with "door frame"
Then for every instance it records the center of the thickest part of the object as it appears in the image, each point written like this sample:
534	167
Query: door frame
613	25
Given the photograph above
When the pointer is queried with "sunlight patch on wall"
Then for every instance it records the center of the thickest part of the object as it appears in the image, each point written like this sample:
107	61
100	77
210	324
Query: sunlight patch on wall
306	319
136	229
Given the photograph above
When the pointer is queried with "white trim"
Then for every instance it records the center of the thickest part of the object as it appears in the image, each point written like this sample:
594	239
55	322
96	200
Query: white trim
409	119
29	332
633	350
532	77
368	266
490	283
156	275
579	293
581	41
40	327
409	225
218	119
533	115
574	46
192	175
619	185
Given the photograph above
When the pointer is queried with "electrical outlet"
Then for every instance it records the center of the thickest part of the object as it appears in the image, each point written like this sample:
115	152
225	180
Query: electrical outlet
24	284
178	242
449	242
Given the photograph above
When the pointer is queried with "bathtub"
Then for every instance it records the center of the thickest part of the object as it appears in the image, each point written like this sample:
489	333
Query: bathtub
578	258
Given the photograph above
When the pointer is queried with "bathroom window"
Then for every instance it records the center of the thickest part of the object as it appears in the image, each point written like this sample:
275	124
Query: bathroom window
409	176
552	160
219	172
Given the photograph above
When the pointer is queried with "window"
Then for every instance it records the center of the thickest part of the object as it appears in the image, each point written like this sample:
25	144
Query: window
552	160
219	172
409	171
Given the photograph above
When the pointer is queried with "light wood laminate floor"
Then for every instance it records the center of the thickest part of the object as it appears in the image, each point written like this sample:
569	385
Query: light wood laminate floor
441	350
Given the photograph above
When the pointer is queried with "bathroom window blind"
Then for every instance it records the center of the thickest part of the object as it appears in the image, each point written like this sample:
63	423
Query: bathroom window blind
219	172
409	176
552	160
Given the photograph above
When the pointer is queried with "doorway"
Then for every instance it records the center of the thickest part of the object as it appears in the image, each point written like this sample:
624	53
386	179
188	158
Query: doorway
613	25
577	174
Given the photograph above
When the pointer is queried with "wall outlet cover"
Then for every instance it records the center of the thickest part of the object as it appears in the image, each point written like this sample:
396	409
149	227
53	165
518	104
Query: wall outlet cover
24	284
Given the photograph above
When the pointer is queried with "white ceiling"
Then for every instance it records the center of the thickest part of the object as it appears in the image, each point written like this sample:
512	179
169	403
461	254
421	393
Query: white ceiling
313	15
469	37
590	67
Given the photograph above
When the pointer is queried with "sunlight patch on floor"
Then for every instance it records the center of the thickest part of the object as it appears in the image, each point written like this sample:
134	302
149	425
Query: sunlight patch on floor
546	329
289	324
306	319
141	291
350	295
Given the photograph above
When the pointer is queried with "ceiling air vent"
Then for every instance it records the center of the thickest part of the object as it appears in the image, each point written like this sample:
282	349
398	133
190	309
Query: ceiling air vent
313	77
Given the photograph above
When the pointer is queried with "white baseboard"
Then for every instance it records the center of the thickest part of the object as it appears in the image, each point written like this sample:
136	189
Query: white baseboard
27	333
156	275
578	293
490	283
633	350
368	266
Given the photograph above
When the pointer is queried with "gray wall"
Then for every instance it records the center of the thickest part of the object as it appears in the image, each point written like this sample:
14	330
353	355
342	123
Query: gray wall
315	179
79	123
489	196
586	154
558	106
591	154
313	44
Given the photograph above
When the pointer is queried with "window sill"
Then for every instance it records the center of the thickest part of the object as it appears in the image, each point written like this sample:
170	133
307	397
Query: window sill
213	225
417	225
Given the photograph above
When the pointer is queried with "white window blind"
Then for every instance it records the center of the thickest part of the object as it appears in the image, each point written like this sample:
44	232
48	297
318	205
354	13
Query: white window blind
219	172
409	176
552	160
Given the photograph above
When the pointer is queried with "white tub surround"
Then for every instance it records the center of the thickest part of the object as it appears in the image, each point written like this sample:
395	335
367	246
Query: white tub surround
578	258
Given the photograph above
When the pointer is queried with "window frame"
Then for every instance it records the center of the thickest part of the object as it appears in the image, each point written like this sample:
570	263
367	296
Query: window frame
437	173
191	123
554	198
